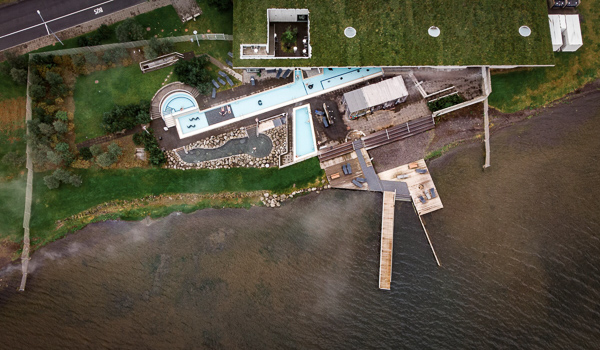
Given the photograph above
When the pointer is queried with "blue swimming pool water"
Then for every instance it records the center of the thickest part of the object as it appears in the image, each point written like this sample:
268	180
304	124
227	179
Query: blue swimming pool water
192	122
178	102
304	139
330	78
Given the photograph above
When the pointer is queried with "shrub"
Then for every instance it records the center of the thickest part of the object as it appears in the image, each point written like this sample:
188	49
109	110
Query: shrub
82	41
19	75
62	147
15	61
96	150
155	155
290	36
158	48
115	150
46	129
91	58
75	180
61	175
51	182
78	60
221	5
104	32
129	30
126	117
37	92
54	79
138	138
53	157
62	116
85	153
115	55
194	73
60	127
14	159
444	102
105	160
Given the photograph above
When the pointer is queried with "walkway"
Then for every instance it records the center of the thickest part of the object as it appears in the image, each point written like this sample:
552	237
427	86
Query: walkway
387	240
369	173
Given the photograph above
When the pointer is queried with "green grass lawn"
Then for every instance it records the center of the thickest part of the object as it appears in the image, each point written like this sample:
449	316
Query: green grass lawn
120	85
391	33
164	22
9	89
216	48
101	186
12	188
529	88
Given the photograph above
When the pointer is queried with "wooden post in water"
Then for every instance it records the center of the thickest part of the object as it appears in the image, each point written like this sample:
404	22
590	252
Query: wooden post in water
427	235
486	125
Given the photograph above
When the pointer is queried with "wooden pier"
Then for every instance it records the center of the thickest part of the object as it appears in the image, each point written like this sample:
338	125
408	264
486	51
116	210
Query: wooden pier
387	240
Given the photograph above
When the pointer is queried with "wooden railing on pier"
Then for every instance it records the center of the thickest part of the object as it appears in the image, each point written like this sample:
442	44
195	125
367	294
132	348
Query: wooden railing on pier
387	240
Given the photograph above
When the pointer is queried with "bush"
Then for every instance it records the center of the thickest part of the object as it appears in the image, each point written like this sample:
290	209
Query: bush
19	75
60	127
62	116
78	60
115	150
14	159
75	180
53	157
155	155
61	175
96	150
194	73
37	92
129	30
54	79
126	117
115	55
46	129
62	147
82	41
138	138
105	160
444	102
51	182
221	5
104	32
91	58
158	48
85	153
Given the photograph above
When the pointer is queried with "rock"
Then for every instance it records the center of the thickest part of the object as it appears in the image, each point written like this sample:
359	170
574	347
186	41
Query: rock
266	195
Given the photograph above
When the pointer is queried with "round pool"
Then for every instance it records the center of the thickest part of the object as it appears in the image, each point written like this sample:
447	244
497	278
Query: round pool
176	102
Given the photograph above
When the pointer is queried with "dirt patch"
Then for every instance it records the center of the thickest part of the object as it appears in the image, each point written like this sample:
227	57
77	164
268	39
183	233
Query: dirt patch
9	251
12	114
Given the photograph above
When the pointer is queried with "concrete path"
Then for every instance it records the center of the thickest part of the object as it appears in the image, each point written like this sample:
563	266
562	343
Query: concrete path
369	173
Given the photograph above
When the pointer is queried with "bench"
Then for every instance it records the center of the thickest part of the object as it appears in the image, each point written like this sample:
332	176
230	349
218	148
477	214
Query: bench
335	176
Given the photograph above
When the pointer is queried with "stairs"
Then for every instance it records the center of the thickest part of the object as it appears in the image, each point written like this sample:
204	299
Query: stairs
169	121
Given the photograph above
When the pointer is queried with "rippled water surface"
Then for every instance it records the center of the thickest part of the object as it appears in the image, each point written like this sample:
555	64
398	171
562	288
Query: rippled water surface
519	247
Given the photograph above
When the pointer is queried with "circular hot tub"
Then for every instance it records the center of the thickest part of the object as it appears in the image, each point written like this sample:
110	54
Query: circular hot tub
177	102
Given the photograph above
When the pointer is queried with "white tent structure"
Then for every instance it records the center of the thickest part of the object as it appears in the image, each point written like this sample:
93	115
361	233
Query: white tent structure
572	39
555	32
373	97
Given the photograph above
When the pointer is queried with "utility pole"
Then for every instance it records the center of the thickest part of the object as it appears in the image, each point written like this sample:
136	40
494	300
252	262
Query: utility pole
48	29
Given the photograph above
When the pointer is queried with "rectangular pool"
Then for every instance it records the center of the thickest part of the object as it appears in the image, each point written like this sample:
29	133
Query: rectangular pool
305	145
192	122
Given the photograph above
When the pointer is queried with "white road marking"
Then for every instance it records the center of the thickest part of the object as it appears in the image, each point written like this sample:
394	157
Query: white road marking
56	19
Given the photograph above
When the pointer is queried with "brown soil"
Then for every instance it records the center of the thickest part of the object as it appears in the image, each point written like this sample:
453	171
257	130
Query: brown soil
8	251
12	114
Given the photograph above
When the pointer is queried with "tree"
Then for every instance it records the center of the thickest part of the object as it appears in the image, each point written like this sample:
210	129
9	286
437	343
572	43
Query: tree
37	92
51	182
14	159
19	75
115	150
194	73
61	147
105	160
62	116
221	5
114	55
85	153
143	117
78	60
82	41
129	30
61	175
91	58
60	127
46	129
75	180
104	32
290	37
126	117
53	157
158	48
54	79
96	150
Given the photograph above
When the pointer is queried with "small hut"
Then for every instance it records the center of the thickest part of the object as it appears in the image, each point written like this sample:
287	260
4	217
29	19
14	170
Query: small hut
369	99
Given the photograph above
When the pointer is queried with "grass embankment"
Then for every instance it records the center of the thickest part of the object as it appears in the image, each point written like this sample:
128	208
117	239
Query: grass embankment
530	88
164	22
102	186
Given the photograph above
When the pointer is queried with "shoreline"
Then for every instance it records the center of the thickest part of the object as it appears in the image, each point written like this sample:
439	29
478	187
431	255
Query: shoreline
165	204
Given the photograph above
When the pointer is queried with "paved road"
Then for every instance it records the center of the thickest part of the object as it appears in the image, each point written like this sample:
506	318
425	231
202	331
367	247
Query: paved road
20	22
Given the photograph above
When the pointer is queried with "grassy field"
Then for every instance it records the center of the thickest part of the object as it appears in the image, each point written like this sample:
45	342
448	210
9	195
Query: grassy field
120	85
530	88
216	48
164	22
107	185
9	89
12	186
393	33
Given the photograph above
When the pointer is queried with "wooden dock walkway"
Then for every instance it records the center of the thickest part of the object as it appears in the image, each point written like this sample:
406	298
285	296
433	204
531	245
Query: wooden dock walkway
387	240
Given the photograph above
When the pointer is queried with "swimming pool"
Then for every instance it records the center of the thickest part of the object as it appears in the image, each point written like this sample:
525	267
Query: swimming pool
304	135
193	121
178	102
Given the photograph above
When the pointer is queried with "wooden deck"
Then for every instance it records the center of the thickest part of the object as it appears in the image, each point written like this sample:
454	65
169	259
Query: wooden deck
335	175
387	240
418	184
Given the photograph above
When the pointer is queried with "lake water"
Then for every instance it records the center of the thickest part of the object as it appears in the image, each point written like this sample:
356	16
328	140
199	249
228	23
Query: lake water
519	246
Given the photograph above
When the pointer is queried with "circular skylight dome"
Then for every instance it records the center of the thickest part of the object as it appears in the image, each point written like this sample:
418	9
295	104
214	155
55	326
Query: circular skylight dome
434	31
350	32
525	31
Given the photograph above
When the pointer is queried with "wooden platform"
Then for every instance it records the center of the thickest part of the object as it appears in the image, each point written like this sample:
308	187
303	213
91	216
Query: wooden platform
418	184
335	174
387	240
